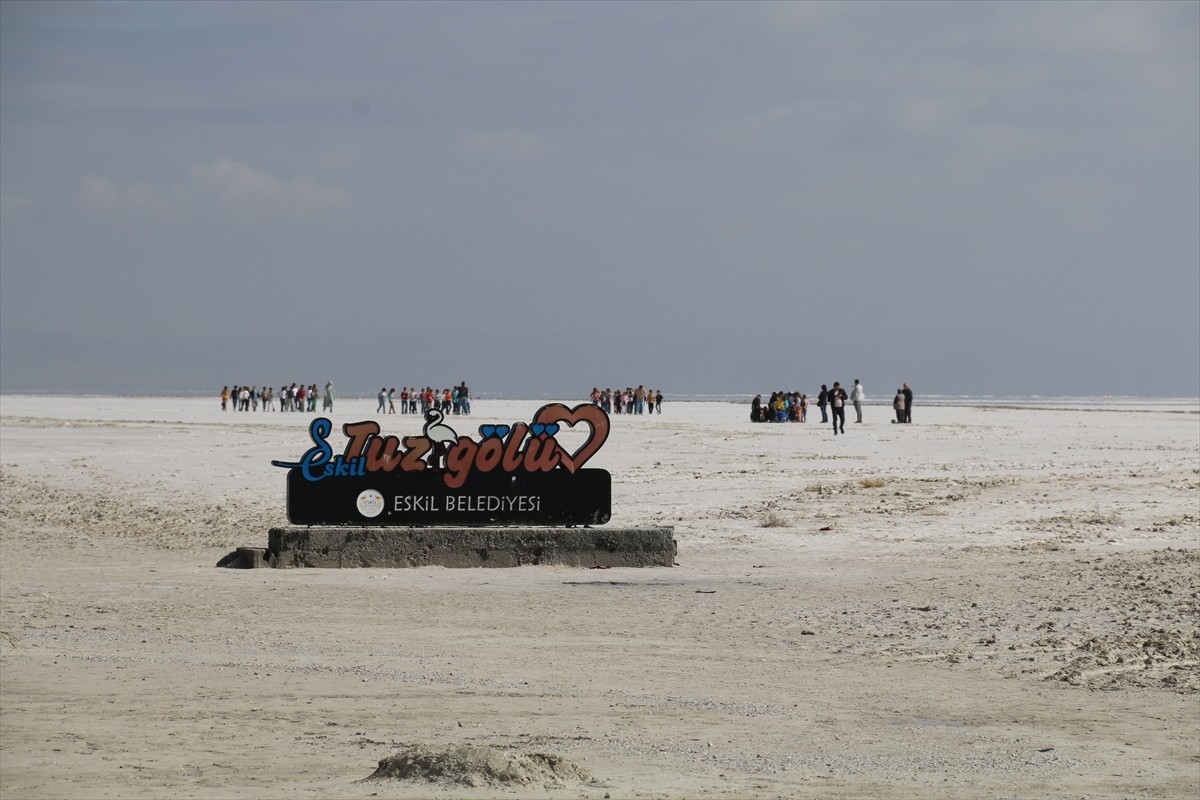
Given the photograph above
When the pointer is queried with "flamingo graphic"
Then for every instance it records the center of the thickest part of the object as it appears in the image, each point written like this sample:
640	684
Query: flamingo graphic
435	430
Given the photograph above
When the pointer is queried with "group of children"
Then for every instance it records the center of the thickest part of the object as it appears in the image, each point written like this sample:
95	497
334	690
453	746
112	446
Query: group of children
301	397
418	401
781	407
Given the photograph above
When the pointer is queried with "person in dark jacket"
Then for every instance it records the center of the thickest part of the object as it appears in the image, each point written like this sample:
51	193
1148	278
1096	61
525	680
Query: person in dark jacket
837	402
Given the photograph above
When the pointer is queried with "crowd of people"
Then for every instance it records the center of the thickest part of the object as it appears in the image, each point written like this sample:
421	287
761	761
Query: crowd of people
418	401
302	397
793	406
781	406
629	401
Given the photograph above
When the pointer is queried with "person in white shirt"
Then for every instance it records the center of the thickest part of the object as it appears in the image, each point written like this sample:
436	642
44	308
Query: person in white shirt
856	397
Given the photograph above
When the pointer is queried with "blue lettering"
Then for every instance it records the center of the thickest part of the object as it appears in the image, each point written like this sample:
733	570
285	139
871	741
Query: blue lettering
317	456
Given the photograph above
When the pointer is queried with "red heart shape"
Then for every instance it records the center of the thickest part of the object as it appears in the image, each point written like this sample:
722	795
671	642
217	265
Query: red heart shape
595	418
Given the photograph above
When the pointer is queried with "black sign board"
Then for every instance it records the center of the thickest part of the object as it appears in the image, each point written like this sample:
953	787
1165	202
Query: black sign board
422	498
519	474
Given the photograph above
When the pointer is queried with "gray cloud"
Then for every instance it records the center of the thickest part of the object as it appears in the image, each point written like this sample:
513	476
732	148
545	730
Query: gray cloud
992	198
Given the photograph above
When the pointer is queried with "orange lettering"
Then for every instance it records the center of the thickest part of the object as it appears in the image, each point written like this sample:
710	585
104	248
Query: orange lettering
491	450
359	433
458	462
415	449
512	448
383	454
541	455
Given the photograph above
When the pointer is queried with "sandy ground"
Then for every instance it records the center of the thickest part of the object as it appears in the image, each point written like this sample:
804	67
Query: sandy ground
989	603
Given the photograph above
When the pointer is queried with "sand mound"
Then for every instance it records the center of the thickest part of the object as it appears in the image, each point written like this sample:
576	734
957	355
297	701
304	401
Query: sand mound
1168	659
35	511
479	767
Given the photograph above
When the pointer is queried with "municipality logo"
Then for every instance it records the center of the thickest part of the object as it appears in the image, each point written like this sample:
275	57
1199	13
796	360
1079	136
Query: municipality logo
370	503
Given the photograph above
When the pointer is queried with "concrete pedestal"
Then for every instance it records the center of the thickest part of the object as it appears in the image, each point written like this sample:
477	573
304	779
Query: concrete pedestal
461	547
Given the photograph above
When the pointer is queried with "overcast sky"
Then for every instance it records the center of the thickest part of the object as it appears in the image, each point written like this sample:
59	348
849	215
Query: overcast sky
976	198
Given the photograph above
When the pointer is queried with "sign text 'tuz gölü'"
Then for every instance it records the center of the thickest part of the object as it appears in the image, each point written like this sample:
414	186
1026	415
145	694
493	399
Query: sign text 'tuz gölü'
517	474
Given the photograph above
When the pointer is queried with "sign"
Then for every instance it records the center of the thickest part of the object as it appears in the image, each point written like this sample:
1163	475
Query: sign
517	474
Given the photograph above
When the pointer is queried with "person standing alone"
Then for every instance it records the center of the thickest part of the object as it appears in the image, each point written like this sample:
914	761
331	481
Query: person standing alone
856	397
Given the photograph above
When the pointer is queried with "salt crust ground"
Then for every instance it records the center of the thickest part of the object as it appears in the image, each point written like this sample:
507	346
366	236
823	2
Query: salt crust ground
991	603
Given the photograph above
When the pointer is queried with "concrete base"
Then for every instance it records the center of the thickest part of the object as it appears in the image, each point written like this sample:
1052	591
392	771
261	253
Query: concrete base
460	547
246	558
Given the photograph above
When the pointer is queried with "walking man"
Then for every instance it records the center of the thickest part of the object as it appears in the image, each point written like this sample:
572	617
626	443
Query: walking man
837	404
